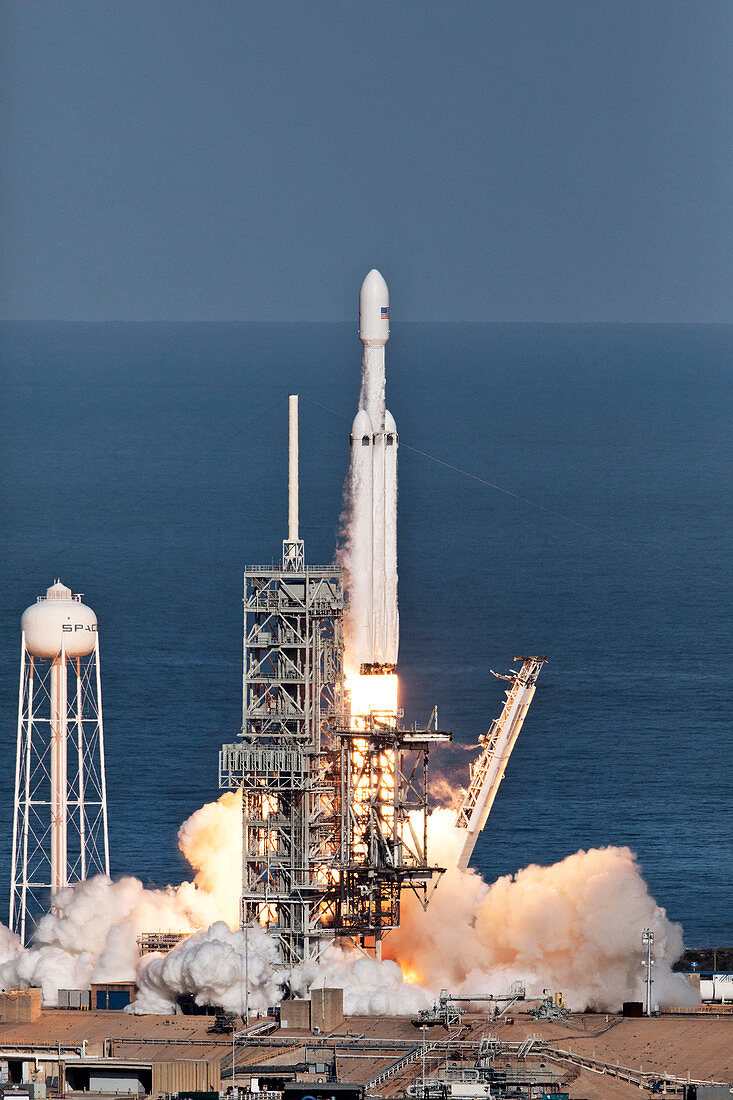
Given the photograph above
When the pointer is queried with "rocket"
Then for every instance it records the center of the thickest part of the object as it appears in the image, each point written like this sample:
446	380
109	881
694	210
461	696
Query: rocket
373	534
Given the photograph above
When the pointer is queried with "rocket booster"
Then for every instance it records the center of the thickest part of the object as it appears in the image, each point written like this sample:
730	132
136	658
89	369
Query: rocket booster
374	442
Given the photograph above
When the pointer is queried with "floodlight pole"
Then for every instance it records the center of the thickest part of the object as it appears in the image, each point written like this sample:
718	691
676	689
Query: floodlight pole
647	939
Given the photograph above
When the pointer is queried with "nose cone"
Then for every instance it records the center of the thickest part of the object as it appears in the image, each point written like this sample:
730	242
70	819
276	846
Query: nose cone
361	430
374	310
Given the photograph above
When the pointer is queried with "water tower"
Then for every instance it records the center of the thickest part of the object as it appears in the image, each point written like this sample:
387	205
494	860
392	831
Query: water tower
60	811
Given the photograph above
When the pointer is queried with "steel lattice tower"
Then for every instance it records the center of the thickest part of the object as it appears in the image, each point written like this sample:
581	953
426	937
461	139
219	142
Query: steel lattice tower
290	792
60	809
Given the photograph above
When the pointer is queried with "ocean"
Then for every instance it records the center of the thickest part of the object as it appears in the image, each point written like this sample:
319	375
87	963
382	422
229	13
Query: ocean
564	490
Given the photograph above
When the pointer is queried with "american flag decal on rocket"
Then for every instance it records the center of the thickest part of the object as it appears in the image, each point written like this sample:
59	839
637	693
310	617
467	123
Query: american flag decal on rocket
385	313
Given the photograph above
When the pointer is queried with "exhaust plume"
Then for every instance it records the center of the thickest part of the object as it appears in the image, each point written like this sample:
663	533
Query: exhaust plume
574	927
91	935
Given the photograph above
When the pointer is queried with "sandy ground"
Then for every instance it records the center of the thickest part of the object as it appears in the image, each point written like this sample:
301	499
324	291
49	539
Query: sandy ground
702	1046
593	1086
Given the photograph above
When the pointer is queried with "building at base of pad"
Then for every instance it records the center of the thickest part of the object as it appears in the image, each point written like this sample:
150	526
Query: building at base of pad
152	1078
323	1011
112	996
20	1006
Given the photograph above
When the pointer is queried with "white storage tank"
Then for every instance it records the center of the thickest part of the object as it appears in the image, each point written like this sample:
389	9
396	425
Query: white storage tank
59	621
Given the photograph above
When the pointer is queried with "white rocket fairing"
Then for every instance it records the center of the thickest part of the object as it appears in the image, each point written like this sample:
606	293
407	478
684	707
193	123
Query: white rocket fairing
373	531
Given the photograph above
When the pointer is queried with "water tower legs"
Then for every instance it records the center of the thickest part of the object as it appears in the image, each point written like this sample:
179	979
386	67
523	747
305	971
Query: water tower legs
60	833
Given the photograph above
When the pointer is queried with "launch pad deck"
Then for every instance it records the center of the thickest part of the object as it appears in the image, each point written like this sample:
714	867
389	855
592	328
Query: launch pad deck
174	1052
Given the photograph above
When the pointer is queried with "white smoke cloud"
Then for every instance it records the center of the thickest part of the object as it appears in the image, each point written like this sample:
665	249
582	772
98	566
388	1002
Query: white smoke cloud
215	967
10	950
92	933
371	987
574	927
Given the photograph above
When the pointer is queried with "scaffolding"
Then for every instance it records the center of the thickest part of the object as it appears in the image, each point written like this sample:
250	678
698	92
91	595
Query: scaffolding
334	819
292	692
161	943
384	839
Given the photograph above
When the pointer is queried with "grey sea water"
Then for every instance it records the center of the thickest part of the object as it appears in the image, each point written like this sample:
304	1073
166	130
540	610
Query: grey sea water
145	465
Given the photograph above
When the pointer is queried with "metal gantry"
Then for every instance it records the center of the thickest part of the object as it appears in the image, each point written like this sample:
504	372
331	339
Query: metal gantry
284	763
383	841
159	942
334	820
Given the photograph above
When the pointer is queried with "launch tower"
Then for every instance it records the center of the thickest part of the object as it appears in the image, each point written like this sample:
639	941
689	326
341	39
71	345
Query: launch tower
60	809
292	690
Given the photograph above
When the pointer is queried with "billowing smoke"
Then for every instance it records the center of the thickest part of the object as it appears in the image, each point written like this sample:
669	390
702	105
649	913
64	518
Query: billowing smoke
211	841
217	966
92	933
573	927
370	988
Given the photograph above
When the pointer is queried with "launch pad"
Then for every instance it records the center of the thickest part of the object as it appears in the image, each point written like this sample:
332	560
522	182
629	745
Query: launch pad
334	787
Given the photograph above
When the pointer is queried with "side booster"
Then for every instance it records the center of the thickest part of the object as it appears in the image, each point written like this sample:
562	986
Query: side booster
374	443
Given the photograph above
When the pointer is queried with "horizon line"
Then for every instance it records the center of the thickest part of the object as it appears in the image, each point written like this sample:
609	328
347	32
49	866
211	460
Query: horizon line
332	321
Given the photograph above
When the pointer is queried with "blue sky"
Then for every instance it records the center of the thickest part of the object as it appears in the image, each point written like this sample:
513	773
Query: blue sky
499	160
